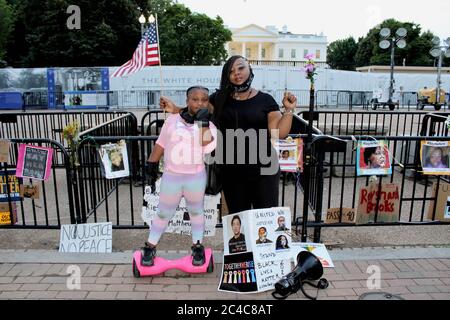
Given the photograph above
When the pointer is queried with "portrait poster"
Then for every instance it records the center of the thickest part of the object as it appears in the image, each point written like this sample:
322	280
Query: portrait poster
181	223
373	158
258	243
34	162
114	160
434	156
290	154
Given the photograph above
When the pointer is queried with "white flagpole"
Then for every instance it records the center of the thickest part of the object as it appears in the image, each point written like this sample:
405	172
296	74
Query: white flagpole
159	59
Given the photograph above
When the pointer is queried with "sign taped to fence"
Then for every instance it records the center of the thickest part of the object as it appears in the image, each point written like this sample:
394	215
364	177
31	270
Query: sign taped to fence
372	158
29	191
256	244
386	200
5	213
11	181
181	223
434	156
86	238
114	160
4	150
442	195
34	162
290	154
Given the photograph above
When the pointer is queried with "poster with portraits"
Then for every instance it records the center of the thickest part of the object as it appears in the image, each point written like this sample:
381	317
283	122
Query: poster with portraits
290	154
434	156
257	249
373	158
114	160
34	162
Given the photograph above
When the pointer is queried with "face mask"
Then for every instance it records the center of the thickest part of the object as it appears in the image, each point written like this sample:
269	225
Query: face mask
246	85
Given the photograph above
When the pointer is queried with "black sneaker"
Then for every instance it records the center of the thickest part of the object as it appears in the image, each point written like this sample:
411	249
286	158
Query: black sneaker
148	255
198	254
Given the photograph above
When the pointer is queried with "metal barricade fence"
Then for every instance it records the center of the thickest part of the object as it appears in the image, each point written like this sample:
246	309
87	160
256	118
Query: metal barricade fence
50	124
53	202
328	176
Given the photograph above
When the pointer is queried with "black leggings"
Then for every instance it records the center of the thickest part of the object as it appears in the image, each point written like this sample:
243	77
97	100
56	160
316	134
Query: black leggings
254	192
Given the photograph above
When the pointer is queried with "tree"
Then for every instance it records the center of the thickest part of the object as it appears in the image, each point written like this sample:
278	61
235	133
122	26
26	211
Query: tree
341	54
416	52
190	38
109	34
6	25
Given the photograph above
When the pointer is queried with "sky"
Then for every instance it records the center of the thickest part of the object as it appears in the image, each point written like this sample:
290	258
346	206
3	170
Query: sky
337	19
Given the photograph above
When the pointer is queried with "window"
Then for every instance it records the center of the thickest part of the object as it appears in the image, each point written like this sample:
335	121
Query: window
317	54
305	52
293	53
263	53
280	53
247	53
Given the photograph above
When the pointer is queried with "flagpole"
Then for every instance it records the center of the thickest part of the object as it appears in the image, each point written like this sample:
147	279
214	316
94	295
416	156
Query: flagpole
159	59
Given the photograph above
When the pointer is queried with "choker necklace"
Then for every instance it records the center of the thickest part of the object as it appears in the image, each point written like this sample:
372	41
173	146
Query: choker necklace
236	97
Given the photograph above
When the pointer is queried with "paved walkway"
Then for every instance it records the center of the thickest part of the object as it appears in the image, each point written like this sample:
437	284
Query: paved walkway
407	272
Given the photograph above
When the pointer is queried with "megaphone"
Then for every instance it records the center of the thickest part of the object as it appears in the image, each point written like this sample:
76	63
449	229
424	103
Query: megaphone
308	268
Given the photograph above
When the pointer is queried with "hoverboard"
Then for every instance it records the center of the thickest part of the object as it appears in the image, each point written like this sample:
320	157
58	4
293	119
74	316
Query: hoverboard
160	265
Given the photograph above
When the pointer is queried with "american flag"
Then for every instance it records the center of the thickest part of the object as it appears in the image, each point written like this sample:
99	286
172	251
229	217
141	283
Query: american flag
146	54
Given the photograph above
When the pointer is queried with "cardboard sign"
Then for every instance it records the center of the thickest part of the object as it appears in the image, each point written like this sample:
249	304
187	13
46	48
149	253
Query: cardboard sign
12	182
5	215
34	162
372	158
4	150
86	238
442	203
181	223
388	204
114	160
29	191
435	157
333	215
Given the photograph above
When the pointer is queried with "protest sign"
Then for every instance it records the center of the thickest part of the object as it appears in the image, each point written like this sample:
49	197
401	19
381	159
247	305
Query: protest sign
180	223
386	201
114	160
434	156
9	182
318	249
290	154
29	191
442	203
259	238
5	213
4	150
34	162
86	238
334	214
372	158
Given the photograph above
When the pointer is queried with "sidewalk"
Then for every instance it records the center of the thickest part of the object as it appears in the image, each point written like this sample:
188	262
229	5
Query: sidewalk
412	273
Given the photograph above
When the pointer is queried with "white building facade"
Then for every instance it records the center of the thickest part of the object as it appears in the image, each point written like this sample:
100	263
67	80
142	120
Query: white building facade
270	44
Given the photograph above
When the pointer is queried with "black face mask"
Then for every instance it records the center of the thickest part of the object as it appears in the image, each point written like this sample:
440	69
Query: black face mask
246	85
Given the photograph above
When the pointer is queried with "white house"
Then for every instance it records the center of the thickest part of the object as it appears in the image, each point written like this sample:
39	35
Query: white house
269	44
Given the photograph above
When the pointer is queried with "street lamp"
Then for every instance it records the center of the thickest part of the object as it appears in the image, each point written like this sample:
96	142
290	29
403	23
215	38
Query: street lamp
391	41
438	51
142	22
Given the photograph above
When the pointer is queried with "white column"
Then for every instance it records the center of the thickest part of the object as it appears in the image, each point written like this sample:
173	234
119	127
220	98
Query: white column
243	49
259	51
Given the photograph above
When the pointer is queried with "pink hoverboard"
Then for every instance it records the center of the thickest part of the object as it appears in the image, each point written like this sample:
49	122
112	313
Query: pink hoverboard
161	265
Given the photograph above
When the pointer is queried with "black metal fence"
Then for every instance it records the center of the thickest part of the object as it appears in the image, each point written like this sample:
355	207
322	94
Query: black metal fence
51	203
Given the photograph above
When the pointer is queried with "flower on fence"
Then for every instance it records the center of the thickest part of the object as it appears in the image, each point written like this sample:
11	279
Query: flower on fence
71	133
310	69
